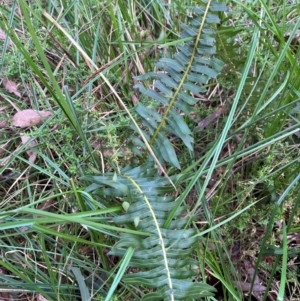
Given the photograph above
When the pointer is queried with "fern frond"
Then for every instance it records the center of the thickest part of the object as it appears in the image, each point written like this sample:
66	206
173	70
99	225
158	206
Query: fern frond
175	82
163	254
164	257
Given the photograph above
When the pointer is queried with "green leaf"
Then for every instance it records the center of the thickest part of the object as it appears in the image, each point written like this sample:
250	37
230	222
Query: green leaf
84	291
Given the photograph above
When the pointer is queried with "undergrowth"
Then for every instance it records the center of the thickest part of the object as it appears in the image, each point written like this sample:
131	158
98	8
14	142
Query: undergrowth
169	166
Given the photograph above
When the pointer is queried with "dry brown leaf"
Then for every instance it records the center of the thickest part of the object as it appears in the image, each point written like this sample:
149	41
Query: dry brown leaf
297	134
246	286
46	206
257	289
134	99
3	37
2	124
29	118
11	87
212	117
31	154
39	297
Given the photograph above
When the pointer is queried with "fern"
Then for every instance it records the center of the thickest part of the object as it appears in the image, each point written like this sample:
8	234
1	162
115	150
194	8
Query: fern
163	258
166	250
174	82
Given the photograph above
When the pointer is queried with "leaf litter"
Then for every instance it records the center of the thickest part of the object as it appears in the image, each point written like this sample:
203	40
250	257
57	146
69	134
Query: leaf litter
29	118
25	119
11	87
3	37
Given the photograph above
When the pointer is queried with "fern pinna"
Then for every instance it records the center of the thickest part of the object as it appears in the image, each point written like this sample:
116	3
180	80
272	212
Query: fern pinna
162	261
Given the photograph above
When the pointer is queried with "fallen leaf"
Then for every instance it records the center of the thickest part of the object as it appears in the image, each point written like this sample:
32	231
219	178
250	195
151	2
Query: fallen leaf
2	124
212	117
257	289
3	37
246	286
46	206
39	297
134	99
29	118
31	154
11	87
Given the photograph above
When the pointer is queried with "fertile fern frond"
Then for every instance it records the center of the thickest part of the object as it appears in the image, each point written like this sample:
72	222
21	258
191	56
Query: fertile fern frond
164	257
175	82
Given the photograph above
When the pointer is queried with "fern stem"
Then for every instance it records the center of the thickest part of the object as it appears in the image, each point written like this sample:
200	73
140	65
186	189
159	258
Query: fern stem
163	247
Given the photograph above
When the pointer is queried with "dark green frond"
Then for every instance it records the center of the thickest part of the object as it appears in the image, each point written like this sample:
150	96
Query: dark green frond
175	83
164	256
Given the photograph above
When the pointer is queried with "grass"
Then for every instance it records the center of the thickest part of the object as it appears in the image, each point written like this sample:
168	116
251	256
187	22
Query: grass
237	188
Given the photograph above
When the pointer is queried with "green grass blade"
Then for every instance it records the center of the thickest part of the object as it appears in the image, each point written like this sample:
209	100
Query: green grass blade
123	266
